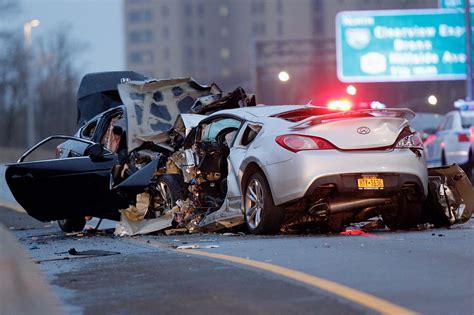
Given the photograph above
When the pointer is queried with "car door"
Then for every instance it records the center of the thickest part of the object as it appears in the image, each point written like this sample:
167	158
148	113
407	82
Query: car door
65	188
449	144
435	146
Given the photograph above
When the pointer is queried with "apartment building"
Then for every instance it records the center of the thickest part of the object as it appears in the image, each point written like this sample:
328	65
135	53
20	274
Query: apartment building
216	40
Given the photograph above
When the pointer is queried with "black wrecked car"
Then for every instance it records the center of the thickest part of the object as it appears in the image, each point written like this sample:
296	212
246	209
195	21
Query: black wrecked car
116	154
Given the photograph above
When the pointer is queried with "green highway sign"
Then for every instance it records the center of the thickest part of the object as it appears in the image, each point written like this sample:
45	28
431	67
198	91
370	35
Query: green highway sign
459	4
400	45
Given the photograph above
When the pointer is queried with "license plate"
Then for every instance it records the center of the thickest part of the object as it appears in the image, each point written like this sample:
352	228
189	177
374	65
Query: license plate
370	183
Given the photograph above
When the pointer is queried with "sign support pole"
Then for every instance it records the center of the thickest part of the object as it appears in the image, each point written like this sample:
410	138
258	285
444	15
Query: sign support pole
467	13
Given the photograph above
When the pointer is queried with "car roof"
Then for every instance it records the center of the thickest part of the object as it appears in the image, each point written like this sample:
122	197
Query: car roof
104	113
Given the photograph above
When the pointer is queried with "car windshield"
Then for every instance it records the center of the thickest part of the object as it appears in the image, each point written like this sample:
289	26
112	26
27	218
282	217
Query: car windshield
467	119
423	121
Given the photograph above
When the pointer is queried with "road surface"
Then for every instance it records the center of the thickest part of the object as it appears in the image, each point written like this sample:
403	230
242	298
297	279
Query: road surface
429	271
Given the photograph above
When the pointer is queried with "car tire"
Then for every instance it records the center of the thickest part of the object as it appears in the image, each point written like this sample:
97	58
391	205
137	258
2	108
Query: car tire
408	214
72	225
261	214
443	159
170	188
470	166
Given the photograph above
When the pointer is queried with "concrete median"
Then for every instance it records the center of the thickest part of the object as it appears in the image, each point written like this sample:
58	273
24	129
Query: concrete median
23	290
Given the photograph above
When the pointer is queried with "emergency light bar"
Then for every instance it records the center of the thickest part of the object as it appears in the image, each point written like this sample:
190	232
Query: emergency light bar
464	105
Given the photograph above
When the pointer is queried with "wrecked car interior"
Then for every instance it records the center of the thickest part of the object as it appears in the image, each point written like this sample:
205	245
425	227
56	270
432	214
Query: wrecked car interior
163	161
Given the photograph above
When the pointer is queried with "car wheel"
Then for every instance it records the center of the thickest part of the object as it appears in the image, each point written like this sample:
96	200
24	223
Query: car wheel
470	166
261	214
443	159
408	214
72	225
170	188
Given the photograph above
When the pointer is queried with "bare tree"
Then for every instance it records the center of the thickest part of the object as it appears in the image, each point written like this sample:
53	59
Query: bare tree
56	84
44	77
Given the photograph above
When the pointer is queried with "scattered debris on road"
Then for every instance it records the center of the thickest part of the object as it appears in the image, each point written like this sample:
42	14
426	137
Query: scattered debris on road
196	246
91	253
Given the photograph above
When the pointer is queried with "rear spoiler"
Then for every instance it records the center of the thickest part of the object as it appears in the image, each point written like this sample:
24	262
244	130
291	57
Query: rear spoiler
391	112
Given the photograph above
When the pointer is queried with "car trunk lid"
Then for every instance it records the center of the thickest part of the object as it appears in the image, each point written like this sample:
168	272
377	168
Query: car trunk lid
356	133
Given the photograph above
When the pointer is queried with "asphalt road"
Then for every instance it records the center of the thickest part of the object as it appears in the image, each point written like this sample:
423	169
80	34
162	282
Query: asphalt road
428	271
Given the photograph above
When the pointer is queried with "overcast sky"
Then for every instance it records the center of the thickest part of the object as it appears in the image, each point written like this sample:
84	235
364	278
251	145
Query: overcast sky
99	23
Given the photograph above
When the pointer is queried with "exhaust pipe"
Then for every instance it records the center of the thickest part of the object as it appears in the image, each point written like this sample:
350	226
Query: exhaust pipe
342	205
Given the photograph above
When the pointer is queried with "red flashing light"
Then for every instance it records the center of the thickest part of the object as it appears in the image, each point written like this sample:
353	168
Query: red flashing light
430	139
342	105
296	143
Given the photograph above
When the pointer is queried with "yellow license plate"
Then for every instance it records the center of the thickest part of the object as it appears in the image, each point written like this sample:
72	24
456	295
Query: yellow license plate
370	183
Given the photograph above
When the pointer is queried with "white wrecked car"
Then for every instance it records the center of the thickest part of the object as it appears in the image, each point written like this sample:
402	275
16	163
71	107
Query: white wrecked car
276	165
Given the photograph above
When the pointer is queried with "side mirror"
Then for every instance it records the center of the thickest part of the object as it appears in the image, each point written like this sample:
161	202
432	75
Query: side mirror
95	152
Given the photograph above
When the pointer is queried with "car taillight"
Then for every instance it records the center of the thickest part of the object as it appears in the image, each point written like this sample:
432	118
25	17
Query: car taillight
464	137
296	143
412	141
57	152
430	139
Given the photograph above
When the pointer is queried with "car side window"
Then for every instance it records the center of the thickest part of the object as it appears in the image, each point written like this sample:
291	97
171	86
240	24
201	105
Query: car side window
446	123
449	123
250	133
211	131
88	131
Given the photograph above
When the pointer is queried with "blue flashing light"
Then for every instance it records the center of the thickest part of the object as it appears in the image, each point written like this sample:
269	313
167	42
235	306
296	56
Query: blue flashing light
464	105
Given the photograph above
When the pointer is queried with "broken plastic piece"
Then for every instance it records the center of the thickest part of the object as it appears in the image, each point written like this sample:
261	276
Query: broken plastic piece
450	197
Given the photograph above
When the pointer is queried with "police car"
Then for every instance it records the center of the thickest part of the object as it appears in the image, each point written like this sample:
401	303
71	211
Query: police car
454	139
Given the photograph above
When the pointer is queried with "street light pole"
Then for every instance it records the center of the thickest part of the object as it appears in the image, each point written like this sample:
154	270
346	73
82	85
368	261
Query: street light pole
467	14
30	109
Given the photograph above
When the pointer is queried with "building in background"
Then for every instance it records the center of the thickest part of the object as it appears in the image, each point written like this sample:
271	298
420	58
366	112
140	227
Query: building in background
248	42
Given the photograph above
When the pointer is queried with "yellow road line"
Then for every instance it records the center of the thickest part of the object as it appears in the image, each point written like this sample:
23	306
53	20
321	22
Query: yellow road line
361	298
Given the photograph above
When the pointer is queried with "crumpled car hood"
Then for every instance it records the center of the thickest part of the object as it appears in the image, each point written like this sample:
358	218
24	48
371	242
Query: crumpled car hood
153	105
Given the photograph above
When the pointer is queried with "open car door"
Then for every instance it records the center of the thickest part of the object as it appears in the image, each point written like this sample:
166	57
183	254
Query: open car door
55	189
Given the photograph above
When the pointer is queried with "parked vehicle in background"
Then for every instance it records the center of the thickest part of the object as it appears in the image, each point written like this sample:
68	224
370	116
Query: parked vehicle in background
454	138
426	124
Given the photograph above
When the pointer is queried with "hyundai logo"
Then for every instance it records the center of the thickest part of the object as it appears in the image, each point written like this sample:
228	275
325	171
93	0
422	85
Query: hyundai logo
363	130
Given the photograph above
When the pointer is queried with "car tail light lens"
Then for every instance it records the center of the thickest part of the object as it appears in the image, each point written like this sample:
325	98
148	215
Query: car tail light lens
296	143
412	141
430	139
464	137
57	152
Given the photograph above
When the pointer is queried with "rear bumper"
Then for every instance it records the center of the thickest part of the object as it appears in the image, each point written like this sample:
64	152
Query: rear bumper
347	184
293	179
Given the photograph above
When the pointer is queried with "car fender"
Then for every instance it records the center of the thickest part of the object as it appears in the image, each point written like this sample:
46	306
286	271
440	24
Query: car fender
243	168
